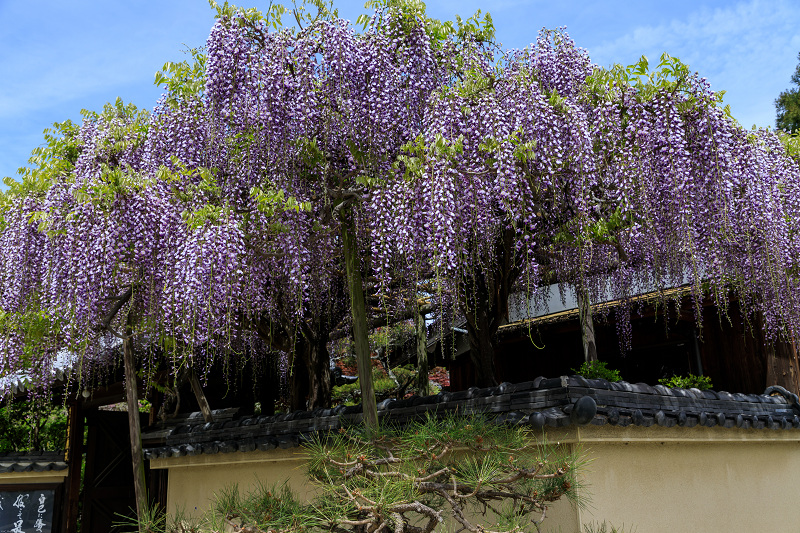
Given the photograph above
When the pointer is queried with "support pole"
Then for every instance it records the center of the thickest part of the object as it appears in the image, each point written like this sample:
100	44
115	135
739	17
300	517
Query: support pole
74	458
358	310
587	324
134	424
793	350
423	382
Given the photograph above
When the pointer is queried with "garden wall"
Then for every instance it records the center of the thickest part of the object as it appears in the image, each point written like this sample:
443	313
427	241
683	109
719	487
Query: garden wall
689	479
648	479
193	480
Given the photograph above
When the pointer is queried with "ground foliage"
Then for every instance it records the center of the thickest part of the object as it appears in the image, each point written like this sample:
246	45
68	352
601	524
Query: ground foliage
462	473
212	227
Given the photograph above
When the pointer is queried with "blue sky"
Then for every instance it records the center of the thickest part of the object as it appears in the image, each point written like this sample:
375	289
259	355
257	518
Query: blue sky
59	57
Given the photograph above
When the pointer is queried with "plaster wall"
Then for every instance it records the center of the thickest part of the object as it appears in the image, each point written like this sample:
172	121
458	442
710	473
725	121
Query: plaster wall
645	479
694	486
24	478
688	479
193	481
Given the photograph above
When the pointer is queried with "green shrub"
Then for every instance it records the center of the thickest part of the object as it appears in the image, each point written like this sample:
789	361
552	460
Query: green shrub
687	382
404	373
350	394
597	370
264	508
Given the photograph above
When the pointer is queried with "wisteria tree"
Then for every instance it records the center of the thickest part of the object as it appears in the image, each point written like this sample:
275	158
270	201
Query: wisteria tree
485	172
322	113
297	181
537	167
289	293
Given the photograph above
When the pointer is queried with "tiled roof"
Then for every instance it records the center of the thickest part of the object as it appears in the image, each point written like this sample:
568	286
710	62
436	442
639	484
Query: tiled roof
35	461
555	402
19	384
60	369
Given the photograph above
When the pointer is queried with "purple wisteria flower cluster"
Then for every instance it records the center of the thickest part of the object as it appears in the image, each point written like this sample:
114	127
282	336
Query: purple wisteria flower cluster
211	227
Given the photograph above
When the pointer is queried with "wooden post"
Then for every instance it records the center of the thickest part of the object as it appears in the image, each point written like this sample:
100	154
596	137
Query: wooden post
74	458
781	362
696	346
587	324
423	382
358	310
200	396
134	424
796	363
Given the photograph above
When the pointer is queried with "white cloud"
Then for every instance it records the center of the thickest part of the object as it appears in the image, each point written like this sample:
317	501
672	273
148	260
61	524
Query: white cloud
58	57
747	48
72	50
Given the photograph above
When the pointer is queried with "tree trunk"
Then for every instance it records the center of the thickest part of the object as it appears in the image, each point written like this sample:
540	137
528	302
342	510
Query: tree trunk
587	324
298	381
311	375
360	339
132	396
319	370
482	354
423	381
485	296
481	330
309	378
315	357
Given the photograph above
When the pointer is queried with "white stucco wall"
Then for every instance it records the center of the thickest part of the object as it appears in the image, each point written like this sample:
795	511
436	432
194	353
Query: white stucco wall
648	479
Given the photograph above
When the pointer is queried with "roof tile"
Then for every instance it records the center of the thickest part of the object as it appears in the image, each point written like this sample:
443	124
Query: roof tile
538	403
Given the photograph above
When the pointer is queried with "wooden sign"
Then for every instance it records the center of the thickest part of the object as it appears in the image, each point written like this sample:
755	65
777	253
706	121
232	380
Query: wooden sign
27	511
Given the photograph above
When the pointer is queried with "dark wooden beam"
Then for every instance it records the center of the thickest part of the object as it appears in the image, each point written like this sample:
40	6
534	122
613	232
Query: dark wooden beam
110	394
200	396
